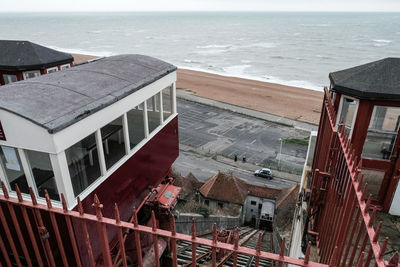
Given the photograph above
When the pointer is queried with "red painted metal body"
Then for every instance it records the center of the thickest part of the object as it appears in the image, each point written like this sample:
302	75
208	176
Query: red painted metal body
128	186
342	213
390	168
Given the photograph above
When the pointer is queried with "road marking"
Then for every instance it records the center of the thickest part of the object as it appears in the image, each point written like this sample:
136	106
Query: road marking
253	141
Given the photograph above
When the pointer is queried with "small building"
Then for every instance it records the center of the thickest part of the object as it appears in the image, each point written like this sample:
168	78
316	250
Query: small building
225	189
21	60
366	99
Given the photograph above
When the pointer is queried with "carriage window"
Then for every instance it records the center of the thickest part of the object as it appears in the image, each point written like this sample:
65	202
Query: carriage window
83	163
153	112
51	70
136	125
382	133
167	102
348	112
113	142
9	78
253	203
65	66
42	173
31	74
11	164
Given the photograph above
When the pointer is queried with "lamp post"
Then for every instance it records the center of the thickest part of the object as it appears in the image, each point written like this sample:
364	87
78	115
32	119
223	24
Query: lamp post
280	154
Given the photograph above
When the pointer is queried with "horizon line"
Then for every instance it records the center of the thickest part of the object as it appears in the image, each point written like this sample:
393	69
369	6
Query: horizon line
202	11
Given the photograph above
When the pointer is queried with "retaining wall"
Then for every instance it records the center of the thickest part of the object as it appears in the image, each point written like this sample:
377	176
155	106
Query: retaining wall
204	225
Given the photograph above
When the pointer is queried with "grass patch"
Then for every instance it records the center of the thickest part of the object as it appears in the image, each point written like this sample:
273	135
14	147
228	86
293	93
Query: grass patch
297	141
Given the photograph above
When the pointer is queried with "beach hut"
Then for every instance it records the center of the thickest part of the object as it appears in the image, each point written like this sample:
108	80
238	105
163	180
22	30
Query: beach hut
366	99
21	60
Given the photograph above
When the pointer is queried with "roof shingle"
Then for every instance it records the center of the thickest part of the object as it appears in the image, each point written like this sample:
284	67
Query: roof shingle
378	80
24	55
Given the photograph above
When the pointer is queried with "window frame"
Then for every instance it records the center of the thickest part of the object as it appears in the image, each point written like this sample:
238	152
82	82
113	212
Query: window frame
52	68
354	115
65	66
148	136
26	167
6	78
25	74
377	131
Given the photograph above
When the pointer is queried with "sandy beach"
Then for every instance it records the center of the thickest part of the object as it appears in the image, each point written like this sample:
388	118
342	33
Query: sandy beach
280	100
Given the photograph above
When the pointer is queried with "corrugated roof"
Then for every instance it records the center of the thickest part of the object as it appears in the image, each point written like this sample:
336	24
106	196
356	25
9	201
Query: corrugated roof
229	188
57	100
24	55
378	80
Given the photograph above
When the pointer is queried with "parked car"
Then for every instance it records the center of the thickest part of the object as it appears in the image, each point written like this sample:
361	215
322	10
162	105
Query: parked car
264	172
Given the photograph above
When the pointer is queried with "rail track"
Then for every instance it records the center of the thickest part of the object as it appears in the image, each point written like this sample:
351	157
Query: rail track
247	237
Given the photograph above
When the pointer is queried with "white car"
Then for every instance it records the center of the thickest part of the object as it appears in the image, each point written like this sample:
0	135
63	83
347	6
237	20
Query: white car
264	172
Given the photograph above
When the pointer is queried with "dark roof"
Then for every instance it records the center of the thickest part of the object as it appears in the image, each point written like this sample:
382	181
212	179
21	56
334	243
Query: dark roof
24	55
378	80
57	100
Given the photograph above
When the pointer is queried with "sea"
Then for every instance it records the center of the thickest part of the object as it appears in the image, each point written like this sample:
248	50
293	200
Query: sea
291	48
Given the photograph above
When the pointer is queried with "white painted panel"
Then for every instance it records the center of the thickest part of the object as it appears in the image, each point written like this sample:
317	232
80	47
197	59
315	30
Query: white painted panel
22	133
395	206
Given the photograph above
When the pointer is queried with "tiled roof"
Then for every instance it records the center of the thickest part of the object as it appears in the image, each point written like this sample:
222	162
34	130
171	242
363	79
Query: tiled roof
224	187
227	187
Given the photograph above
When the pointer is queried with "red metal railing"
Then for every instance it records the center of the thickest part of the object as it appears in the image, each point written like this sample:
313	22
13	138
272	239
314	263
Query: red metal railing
344	224
48	244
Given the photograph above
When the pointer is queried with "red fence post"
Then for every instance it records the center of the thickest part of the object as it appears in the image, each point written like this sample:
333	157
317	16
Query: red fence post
85	233
173	242
102	232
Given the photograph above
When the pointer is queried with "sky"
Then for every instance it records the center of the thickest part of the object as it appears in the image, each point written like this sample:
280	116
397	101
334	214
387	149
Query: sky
199	5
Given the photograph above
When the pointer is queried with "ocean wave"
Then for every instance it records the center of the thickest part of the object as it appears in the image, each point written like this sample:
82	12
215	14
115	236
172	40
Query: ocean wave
95	31
211	51
261	45
212	46
323	57
83	52
294	83
236	69
381	42
193	61
270	79
316	25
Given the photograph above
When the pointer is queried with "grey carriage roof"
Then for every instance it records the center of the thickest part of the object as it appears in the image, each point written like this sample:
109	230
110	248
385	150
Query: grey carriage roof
378	80
57	100
24	55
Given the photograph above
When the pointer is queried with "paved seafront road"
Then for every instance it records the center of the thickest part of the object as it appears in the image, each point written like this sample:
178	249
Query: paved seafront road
210	137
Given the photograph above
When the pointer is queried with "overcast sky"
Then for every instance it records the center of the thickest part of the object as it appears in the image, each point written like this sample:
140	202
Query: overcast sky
199	5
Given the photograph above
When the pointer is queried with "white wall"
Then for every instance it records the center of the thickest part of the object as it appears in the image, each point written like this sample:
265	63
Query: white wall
22	133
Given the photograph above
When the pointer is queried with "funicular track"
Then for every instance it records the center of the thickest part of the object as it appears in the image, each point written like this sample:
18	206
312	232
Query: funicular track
247	237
